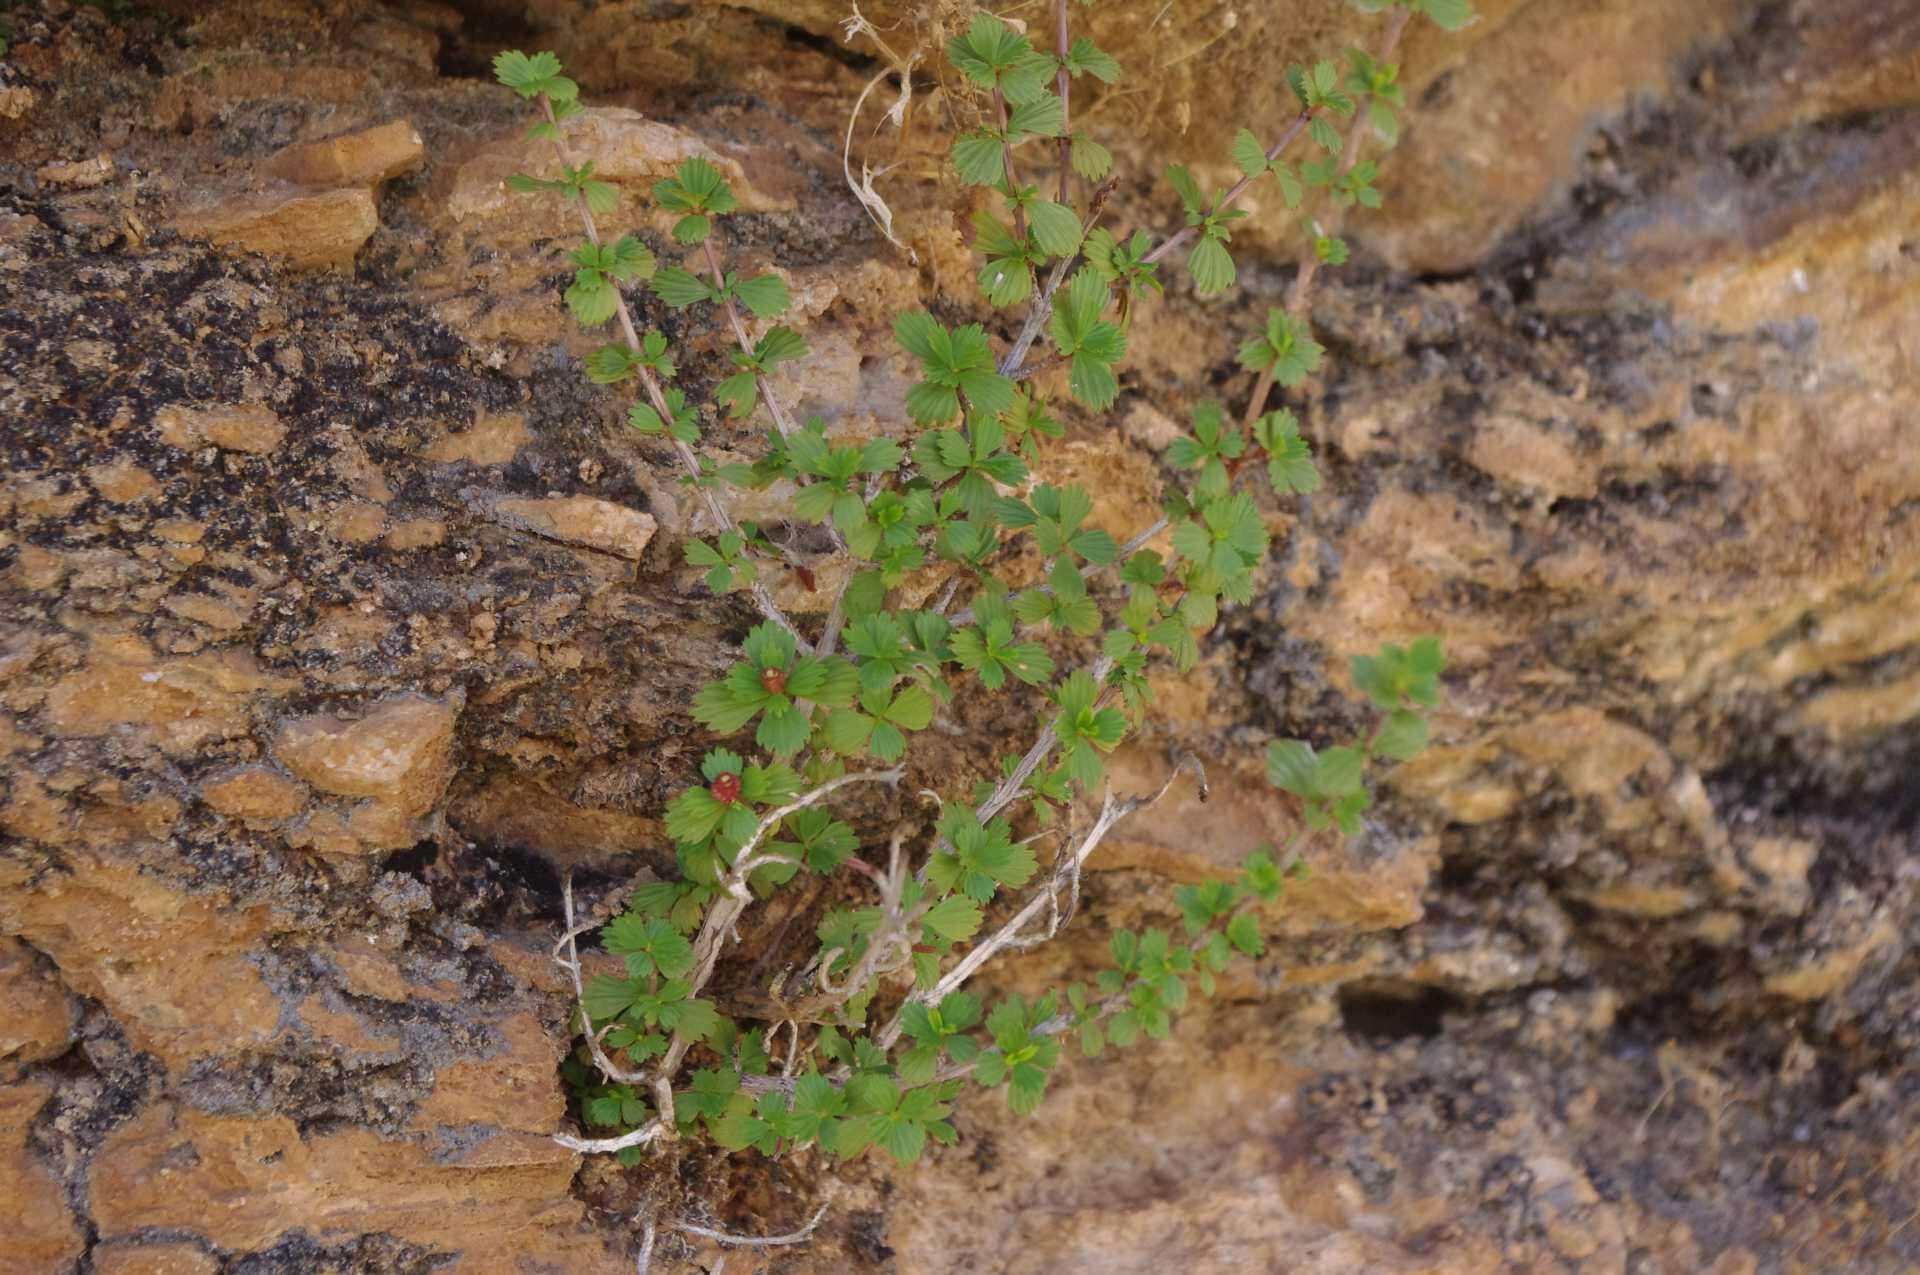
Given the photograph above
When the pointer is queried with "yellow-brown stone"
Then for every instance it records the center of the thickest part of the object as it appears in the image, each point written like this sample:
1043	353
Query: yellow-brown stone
369	156
242	1182
306	230
36	1017
41	1233
254	792
131	1257
581	520
398	752
173	969
248	427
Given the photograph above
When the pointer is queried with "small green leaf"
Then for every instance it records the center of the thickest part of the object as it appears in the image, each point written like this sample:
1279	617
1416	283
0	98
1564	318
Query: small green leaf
1212	267
1249	154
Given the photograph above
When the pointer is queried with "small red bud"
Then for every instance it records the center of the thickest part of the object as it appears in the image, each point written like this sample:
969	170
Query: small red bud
773	680
725	787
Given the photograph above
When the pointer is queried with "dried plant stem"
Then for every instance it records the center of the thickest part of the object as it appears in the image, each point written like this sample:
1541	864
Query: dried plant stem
730	1240
656	396
643	1261
571	964
735	897
1112	811
1262	386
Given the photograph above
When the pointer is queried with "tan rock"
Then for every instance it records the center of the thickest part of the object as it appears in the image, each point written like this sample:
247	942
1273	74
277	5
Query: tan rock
580	520
173	969
416	533
347	1029
515	1086
36	1018
130	1257
516	810
246	427
398	755
624	147
368	156
80	173
357	522
181	531
307	230
1645	900
215	613
15	101
1523	87
122	482
1833	970
242	1182
254	792
41	1234
493	439
181	702
1523	453
1187	841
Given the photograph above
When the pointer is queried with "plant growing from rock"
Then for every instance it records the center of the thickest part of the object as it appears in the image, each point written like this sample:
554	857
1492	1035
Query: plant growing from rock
871	1043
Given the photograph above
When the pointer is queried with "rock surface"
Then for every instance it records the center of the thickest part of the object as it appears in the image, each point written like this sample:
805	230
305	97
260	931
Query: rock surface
339	617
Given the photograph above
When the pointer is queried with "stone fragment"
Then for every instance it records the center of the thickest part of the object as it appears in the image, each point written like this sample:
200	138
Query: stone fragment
181	702
513	1087
254	792
130	1257
370	155
244	1181
624	147
175	970
580	520
1833	970
201	608
316	230
243	427
399	752
40	1234
493	439
80	173
122	482
397	758
36	1018
416	533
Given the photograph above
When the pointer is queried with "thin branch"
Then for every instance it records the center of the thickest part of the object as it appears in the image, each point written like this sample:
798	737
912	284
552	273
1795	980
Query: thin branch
643	1262
1063	84
1309	263
781	420
1006	158
731	1240
1112	811
652	1130
571	964
1234	191
1262	386
655	395
726	909
1016	356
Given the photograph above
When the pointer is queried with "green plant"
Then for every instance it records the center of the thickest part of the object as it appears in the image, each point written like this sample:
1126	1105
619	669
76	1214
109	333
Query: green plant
879	1035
